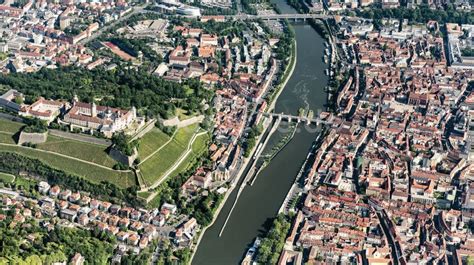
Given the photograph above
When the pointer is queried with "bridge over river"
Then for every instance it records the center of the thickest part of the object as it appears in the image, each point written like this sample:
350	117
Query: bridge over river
295	16
298	119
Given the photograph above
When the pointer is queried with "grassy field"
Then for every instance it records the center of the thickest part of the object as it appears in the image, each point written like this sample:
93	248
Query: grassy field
199	147
92	173
201	143
10	126
143	194
153	140
85	151
7	178
75	149
25	184
183	135
157	165
7	138
8	129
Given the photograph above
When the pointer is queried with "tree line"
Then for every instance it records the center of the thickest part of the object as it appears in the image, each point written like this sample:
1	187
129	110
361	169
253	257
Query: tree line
273	242
14	164
122	88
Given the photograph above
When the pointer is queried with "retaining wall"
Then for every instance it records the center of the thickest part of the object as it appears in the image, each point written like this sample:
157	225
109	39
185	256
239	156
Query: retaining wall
124	159
35	138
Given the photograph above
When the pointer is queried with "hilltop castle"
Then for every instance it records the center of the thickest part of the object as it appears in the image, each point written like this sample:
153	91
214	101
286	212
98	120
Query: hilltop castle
89	116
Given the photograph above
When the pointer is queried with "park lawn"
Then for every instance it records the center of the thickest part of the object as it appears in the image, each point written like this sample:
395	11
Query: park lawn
7	178
152	140
7	138
90	172
10	126
86	151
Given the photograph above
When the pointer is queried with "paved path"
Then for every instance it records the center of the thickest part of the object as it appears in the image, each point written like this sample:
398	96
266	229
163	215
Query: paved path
5	132
10	117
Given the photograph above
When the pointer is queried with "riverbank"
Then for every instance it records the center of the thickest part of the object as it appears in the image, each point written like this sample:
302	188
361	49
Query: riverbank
286	76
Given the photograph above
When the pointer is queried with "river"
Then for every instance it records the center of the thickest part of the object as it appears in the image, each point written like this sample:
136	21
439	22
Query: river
260	203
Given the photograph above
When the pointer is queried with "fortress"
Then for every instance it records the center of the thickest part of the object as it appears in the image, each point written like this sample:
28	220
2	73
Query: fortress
89	116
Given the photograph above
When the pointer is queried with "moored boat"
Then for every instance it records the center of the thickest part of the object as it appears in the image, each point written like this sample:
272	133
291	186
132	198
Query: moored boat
251	253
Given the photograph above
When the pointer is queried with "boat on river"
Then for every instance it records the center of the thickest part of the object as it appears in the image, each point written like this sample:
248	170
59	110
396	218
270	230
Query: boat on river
251	253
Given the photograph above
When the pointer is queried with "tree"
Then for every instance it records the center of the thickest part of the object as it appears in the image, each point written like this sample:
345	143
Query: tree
272	244
19	100
264	251
124	144
183	255
35	125
467	52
